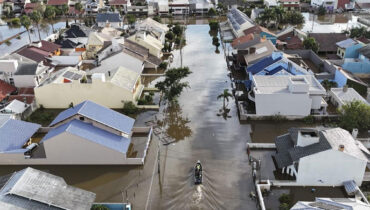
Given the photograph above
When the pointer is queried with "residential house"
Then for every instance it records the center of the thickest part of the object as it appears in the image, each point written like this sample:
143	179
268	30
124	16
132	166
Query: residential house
246	41
327	41
16	135
271	3
113	20
140	10
331	203
93	129
287	95
268	35
361	65
329	5
256	12
58	3
120	5
258	51
73	86
17	108
200	7
146	40
65	60
162	7
238	22
179	7
34	189
92	7
142	53
6	89
98	41
30	7
328	157
348	48
290	5
154	27
342	96
290	39
23	73
77	34
39	51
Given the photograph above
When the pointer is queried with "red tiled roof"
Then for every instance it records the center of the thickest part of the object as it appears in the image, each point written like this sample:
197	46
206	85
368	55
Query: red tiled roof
57	2
33	53
117	2
294	43
243	39
29	98
342	4
254	30
73	11
49	46
363	40
291	5
26	91
6	89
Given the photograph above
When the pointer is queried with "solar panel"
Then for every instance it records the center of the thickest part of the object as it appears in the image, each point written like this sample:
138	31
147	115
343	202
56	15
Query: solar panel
72	76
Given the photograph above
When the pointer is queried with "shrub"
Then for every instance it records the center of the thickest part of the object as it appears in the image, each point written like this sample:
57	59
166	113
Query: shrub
130	108
170	35
284	206
309	119
284	198
213	25
163	65
99	207
354	115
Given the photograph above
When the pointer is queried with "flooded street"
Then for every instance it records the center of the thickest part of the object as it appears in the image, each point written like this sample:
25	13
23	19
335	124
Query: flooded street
199	133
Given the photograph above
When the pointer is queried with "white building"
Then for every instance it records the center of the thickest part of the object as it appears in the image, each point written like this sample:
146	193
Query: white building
238	22
154	27
331	203
321	158
147	40
113	20
179	7
200	7
72	86
329	5
21	73
341	96
287	95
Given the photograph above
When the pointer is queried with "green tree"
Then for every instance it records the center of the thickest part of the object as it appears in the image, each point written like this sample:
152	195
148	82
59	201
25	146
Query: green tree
321	10
177	30
36	19
26	23
310	43
213	24
50	15
225	96
279	15
131	19
329	84
157	18
78	8
64	11
170	35
171	87
212	12
354	115
129	108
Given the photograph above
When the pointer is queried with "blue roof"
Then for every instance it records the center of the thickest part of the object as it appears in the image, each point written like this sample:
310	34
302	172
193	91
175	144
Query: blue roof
99	114
89	132
15	133
346	43
263	63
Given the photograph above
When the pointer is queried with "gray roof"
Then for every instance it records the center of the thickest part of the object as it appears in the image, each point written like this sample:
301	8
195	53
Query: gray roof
365	51
110	17
288	152
26	68
34	189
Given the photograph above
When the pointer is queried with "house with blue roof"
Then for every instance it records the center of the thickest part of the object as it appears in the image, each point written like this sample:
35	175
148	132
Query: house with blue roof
86	134
275	64
360	65
348	48
15	135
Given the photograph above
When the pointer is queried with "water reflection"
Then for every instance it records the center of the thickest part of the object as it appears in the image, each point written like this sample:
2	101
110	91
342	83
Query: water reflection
174	123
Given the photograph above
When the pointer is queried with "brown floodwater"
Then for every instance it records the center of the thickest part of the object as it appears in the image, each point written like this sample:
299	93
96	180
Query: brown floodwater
198	132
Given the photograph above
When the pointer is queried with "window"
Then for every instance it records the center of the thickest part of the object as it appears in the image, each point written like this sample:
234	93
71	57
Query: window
11	81
82	118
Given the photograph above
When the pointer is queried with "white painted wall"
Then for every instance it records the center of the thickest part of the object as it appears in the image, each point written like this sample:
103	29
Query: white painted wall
333	167
283	104
60	95
113	25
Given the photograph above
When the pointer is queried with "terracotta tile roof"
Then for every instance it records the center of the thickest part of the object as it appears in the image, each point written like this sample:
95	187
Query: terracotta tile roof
294	43
29	98
243	39
57	2
364	40
342	3
117	2
6	89
72	10
26	91
33	53
254	29
49	46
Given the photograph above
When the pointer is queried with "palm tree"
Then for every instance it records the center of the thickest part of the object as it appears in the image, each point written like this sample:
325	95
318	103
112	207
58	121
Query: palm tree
225	95
65	10
36	18
26	22
78	7
50	15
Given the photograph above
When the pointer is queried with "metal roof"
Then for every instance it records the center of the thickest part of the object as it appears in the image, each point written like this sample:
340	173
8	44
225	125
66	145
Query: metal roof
15	133
346	43
99	114
34	189
91	133
108	17
347	96
350	186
